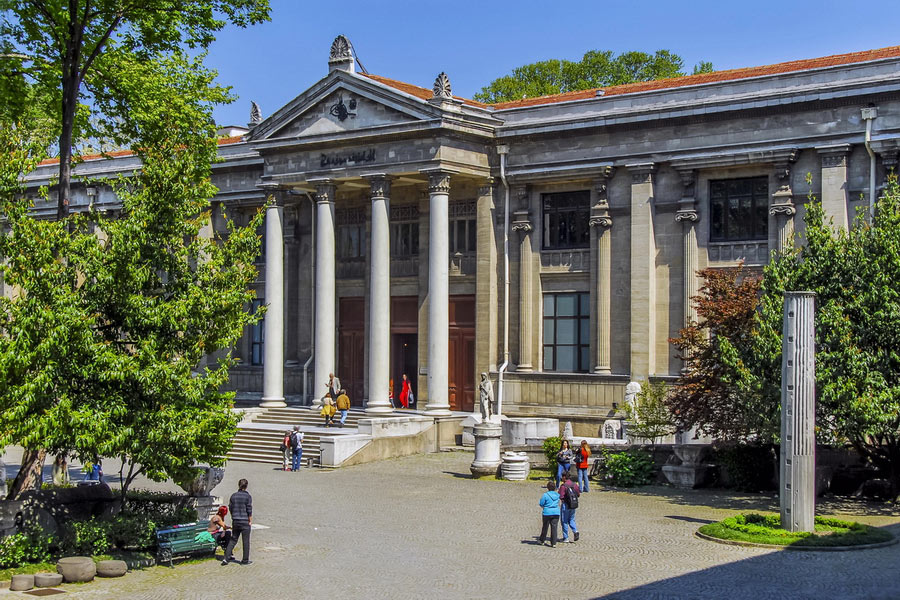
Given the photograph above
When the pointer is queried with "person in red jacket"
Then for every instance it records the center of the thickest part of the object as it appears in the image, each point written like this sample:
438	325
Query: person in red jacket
582	456
405	392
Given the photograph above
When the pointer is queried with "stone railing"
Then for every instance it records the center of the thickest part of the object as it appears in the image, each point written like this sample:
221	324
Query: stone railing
551	394
570	261
404	266
751	252
351	269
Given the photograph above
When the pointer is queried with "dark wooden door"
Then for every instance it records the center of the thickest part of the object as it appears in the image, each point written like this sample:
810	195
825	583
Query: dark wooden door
461	353
352	348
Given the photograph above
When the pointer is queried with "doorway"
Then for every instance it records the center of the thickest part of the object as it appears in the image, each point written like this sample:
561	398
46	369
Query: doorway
404	359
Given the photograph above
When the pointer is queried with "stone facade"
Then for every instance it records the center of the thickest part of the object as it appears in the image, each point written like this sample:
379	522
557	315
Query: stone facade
404	211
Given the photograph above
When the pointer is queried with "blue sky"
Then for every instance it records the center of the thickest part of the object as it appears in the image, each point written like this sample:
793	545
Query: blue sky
476	42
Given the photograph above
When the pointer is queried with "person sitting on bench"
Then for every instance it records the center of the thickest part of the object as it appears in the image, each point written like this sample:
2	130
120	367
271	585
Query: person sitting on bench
217	527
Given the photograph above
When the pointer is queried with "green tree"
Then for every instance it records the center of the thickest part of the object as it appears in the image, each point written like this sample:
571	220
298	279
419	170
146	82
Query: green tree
596	69
103	343
854	275
649	418
71	52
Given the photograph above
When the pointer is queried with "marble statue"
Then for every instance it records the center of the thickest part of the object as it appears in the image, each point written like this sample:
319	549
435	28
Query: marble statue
631	391
486	396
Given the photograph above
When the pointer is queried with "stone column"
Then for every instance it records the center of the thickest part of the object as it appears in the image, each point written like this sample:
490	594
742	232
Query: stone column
486	282
379	298
273	362
782	208
688	217
602	222
643	272
834	183
798	413
325	290
522	224
438	293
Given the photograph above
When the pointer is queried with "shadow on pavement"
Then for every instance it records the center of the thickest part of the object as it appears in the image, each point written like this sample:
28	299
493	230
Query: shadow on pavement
690	519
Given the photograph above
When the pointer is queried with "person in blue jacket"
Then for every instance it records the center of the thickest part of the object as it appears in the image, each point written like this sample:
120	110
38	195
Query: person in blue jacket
550	513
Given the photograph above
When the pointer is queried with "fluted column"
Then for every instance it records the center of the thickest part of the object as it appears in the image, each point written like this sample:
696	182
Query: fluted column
522	224
602	222
486	282
379	298
687	215
782	208
325	294
273	361
438	293
798	412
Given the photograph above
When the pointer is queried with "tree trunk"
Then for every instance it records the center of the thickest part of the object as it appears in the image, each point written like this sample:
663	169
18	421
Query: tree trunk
30	473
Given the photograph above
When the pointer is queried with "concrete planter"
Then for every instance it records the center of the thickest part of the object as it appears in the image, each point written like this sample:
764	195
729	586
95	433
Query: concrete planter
43	580
111	568
76	569
21	582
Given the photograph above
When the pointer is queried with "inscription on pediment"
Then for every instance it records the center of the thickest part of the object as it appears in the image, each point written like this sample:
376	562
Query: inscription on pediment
342	111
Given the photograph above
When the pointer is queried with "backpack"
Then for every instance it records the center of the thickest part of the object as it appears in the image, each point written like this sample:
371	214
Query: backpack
571	498
296	440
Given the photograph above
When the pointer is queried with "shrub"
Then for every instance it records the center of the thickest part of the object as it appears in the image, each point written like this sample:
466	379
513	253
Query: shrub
627	469
551	447
85	538
649	418
21	548
750	467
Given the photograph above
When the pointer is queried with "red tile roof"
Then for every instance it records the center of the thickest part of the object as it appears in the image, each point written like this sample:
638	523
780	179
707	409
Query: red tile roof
119	153
674	82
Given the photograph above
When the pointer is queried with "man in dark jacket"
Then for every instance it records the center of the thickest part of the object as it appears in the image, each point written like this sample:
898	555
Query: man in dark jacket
241	507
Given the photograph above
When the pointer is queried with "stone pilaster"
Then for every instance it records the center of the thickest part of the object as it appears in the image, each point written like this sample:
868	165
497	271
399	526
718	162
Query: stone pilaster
601	222
798	413
834	183
643	272
379	298
688	216
438	293
486	282
326	305
782	208
273	363
521	224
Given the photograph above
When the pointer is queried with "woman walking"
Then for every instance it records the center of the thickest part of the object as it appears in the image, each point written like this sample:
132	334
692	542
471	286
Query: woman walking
549	513
563	460
405	392
582	458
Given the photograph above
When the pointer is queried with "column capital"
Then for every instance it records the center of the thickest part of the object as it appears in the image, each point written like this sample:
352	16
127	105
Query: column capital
522	222
486	187
602	221
379	185
834	156
601	183
641	172
438	180
325	189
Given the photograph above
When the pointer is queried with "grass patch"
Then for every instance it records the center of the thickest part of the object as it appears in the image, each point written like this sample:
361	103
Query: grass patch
536	474
44	567
766	529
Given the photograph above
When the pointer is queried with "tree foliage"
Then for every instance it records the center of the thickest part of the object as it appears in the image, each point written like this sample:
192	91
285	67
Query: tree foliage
650	418
596	69
711	392
112	320
71	51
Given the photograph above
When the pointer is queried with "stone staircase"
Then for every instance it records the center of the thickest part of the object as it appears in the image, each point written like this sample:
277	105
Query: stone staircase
258	440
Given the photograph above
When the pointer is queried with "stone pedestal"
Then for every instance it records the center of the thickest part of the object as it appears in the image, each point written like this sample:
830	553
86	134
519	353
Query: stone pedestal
487	449
690	473
515	466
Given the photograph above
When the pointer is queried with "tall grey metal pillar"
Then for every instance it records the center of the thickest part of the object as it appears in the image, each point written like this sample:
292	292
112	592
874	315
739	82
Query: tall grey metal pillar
798	413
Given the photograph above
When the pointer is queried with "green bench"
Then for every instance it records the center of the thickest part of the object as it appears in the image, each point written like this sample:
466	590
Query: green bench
179	540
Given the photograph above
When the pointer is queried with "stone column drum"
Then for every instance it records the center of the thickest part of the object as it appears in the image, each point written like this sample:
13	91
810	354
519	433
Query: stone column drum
380	298
273	361
487	449
325	294
687	215
798	413
438	294
522	225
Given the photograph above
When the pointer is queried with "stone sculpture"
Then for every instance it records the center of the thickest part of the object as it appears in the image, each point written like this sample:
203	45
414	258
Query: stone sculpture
486	396
567	431
255	114
441	87
611	429
631	391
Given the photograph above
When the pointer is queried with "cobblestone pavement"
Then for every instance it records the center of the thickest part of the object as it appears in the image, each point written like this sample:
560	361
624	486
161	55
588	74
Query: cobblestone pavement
419	527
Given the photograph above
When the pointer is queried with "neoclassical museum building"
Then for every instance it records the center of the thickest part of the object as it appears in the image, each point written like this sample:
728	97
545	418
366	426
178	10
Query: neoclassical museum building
550	242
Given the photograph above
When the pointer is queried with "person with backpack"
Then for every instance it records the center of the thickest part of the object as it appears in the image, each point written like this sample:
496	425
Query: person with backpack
285	450
568	494
296	448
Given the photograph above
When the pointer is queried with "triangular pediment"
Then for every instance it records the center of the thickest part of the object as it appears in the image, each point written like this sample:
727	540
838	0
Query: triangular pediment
343	103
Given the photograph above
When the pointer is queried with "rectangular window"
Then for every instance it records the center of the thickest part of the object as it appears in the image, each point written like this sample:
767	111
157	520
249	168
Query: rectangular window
404	239
567	326
257	336
739	209
566	220
462	236
351	241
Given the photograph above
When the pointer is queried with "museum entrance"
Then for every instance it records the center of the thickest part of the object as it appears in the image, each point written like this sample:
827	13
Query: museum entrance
351	349
404	344
461	354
